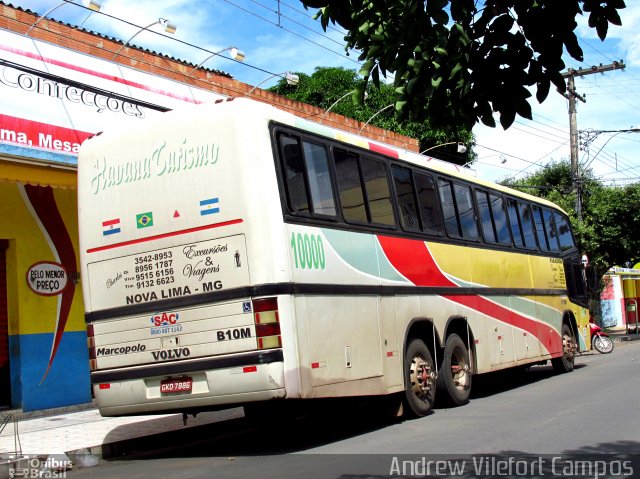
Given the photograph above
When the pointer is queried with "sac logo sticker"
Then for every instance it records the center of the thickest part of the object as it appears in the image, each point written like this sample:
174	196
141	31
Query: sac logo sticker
165	323
164	319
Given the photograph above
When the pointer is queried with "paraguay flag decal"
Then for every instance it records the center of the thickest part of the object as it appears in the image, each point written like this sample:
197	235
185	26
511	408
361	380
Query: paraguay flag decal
111	227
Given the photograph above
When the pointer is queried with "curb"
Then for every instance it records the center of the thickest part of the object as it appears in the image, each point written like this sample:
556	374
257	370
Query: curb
39	413
150	440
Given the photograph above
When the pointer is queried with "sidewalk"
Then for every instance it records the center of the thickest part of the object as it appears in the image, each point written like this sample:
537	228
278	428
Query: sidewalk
620	334
79	435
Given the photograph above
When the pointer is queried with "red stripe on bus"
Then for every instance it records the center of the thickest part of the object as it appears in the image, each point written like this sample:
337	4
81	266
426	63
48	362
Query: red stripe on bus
549	337
414	261
164	235
384	150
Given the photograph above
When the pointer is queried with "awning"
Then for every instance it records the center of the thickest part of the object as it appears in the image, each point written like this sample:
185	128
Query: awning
40	174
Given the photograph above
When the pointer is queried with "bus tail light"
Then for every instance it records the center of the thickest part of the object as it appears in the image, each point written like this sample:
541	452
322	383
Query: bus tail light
91	343
267	321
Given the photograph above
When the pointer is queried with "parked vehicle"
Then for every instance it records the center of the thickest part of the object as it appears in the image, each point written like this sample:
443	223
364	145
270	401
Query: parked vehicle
600	341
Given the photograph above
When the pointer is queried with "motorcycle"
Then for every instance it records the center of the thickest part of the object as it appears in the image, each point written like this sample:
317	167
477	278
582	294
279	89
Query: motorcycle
600	340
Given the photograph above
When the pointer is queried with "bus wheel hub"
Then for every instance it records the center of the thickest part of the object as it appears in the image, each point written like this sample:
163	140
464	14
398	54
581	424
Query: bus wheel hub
421	377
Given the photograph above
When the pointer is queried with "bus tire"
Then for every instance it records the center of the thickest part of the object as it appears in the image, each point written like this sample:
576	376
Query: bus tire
419	379
454	377
564	363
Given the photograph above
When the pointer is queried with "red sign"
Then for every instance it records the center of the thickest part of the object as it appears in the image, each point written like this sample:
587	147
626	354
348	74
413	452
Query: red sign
41	135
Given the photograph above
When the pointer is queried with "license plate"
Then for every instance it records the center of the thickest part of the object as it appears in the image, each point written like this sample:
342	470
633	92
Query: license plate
176	385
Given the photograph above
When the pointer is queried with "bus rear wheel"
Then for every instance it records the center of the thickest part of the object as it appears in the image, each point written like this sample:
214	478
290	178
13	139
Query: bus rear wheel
454	377
564	364
419	376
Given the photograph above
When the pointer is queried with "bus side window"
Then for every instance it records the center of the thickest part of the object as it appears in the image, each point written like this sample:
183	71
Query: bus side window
319	178
466	213
405	197
294	174
540	231
552	234
457	206
448	208
528	228
514	221
564	232
376	183
486	220
350	186
500	219
428	203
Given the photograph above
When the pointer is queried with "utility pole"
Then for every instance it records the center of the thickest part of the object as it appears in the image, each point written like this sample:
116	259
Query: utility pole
571	95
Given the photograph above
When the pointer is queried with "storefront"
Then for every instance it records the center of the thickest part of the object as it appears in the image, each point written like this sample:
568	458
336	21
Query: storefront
58	86
620	299
52	99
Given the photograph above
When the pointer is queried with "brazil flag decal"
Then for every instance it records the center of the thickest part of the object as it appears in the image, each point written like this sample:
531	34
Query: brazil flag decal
144	220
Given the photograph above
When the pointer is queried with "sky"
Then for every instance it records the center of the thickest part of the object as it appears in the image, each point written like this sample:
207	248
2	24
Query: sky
281	36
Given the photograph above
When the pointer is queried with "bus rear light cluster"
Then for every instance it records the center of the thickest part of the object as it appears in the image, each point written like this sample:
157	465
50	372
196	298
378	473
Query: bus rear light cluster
267	321
91	344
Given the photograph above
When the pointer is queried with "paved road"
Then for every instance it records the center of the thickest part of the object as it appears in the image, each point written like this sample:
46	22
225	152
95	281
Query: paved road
593	410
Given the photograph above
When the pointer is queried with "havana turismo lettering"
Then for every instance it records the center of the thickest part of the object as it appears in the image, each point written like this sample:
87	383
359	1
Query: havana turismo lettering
162	161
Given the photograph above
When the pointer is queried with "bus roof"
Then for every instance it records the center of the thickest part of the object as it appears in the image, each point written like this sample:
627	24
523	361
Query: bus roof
390	151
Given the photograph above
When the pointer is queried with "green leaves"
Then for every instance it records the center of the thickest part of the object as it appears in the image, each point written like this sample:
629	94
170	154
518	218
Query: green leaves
608	231
461	72
330	87
365	71
603	13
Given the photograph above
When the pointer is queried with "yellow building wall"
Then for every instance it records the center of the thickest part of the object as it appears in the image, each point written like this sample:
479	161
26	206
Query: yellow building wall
27	246
48	354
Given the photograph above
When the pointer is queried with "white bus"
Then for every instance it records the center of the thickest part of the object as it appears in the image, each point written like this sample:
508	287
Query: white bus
234	254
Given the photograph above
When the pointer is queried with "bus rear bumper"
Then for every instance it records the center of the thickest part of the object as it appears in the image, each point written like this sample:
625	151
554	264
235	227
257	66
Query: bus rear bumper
210	389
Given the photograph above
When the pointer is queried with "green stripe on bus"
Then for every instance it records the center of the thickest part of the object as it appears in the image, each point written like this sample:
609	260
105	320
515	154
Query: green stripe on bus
361	251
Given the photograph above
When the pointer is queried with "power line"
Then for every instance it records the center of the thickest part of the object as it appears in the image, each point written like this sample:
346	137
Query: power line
330	27
290	31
